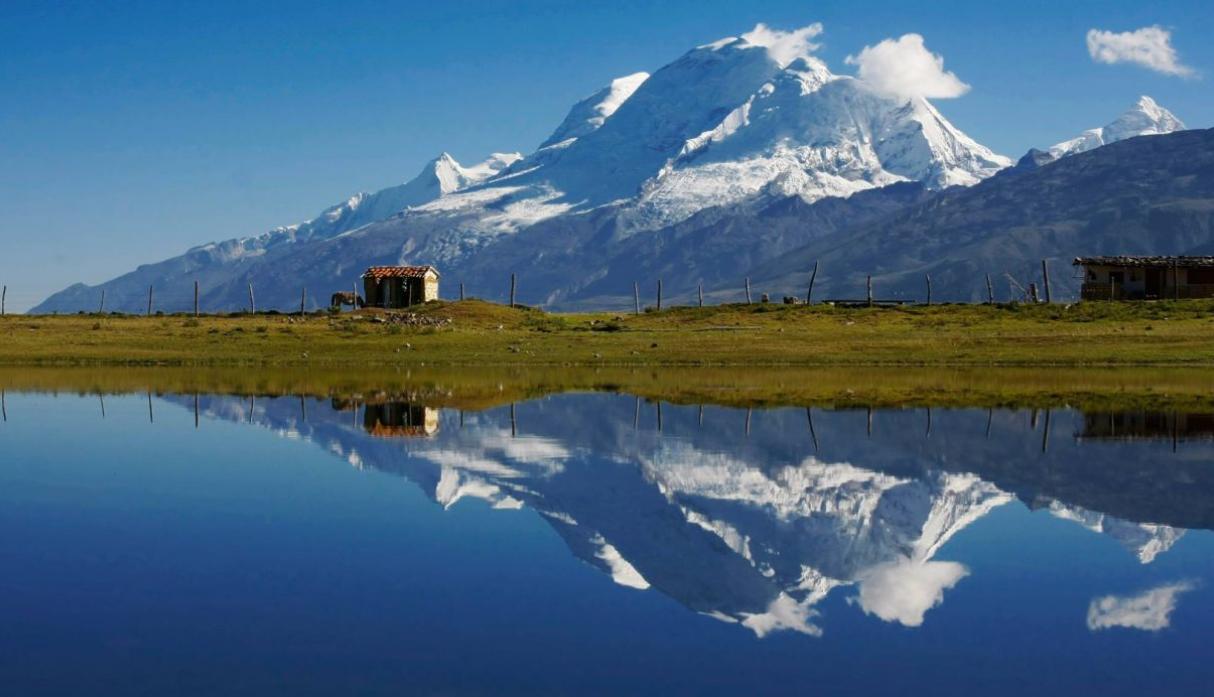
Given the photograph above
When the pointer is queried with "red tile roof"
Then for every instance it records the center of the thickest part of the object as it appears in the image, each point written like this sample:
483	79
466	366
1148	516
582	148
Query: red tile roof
399	271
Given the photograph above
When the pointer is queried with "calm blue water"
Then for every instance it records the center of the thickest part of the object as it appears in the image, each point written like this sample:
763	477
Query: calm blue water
296	547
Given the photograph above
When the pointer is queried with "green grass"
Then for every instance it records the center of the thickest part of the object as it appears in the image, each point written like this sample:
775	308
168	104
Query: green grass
476	333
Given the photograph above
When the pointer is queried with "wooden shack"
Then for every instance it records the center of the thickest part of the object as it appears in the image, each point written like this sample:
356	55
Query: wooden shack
399	286
1146	278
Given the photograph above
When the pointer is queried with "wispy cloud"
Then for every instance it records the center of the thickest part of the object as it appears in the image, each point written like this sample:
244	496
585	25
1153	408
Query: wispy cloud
1149	611
1149	47
785	46
904	67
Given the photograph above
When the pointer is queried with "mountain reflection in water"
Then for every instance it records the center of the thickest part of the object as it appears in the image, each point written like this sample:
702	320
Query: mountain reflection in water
755	517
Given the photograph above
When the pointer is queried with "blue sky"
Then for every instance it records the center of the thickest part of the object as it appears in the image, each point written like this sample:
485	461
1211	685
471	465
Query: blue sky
130	131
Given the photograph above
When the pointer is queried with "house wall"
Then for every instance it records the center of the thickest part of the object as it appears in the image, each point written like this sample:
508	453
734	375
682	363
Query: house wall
392	292
1192	283
371	292
1096	281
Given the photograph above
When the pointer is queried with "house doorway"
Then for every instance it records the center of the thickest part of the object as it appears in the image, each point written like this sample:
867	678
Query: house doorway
1154	282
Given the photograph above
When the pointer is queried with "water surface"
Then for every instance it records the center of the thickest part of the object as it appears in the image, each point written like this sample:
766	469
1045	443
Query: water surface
597	543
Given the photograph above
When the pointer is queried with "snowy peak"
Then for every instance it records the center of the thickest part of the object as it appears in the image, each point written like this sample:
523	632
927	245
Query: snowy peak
678	102
441	176
592	112
809	133
1144	118
950	157
744	117
449	175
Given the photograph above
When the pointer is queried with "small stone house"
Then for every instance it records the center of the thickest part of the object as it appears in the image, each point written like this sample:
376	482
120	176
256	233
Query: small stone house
399	286
1146	278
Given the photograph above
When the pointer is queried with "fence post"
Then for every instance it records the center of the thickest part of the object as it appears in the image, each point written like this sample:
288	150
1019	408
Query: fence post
990	291
1045	275
512	287
149	301
101	307
461	290
809	295
869	284
1175	280
701	295
252	302
303	301
928	276
354	307
748	290
659	295
636	297
3	299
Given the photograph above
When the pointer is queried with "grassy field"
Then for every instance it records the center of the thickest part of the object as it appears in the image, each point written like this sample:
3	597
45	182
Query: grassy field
475	333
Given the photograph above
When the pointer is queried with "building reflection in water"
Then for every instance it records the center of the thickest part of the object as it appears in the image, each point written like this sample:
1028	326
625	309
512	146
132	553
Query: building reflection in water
1147	425
393	419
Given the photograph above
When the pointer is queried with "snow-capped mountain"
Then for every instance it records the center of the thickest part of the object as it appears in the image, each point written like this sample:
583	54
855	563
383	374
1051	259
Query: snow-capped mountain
755	115
1144	118
691	173
441	176
726	122
813	134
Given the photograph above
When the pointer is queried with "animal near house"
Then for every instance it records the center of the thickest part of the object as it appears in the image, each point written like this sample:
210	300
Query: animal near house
1146	278
399	286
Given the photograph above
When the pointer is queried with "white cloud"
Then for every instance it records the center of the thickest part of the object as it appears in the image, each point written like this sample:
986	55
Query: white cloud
1150	47
903	591
904	67
783	614
785	46
1149	611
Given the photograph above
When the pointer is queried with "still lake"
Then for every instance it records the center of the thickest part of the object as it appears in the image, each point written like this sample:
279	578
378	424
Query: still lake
597	543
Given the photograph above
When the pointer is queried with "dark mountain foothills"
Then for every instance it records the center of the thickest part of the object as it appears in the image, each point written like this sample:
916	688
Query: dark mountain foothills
715	247
1146	195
